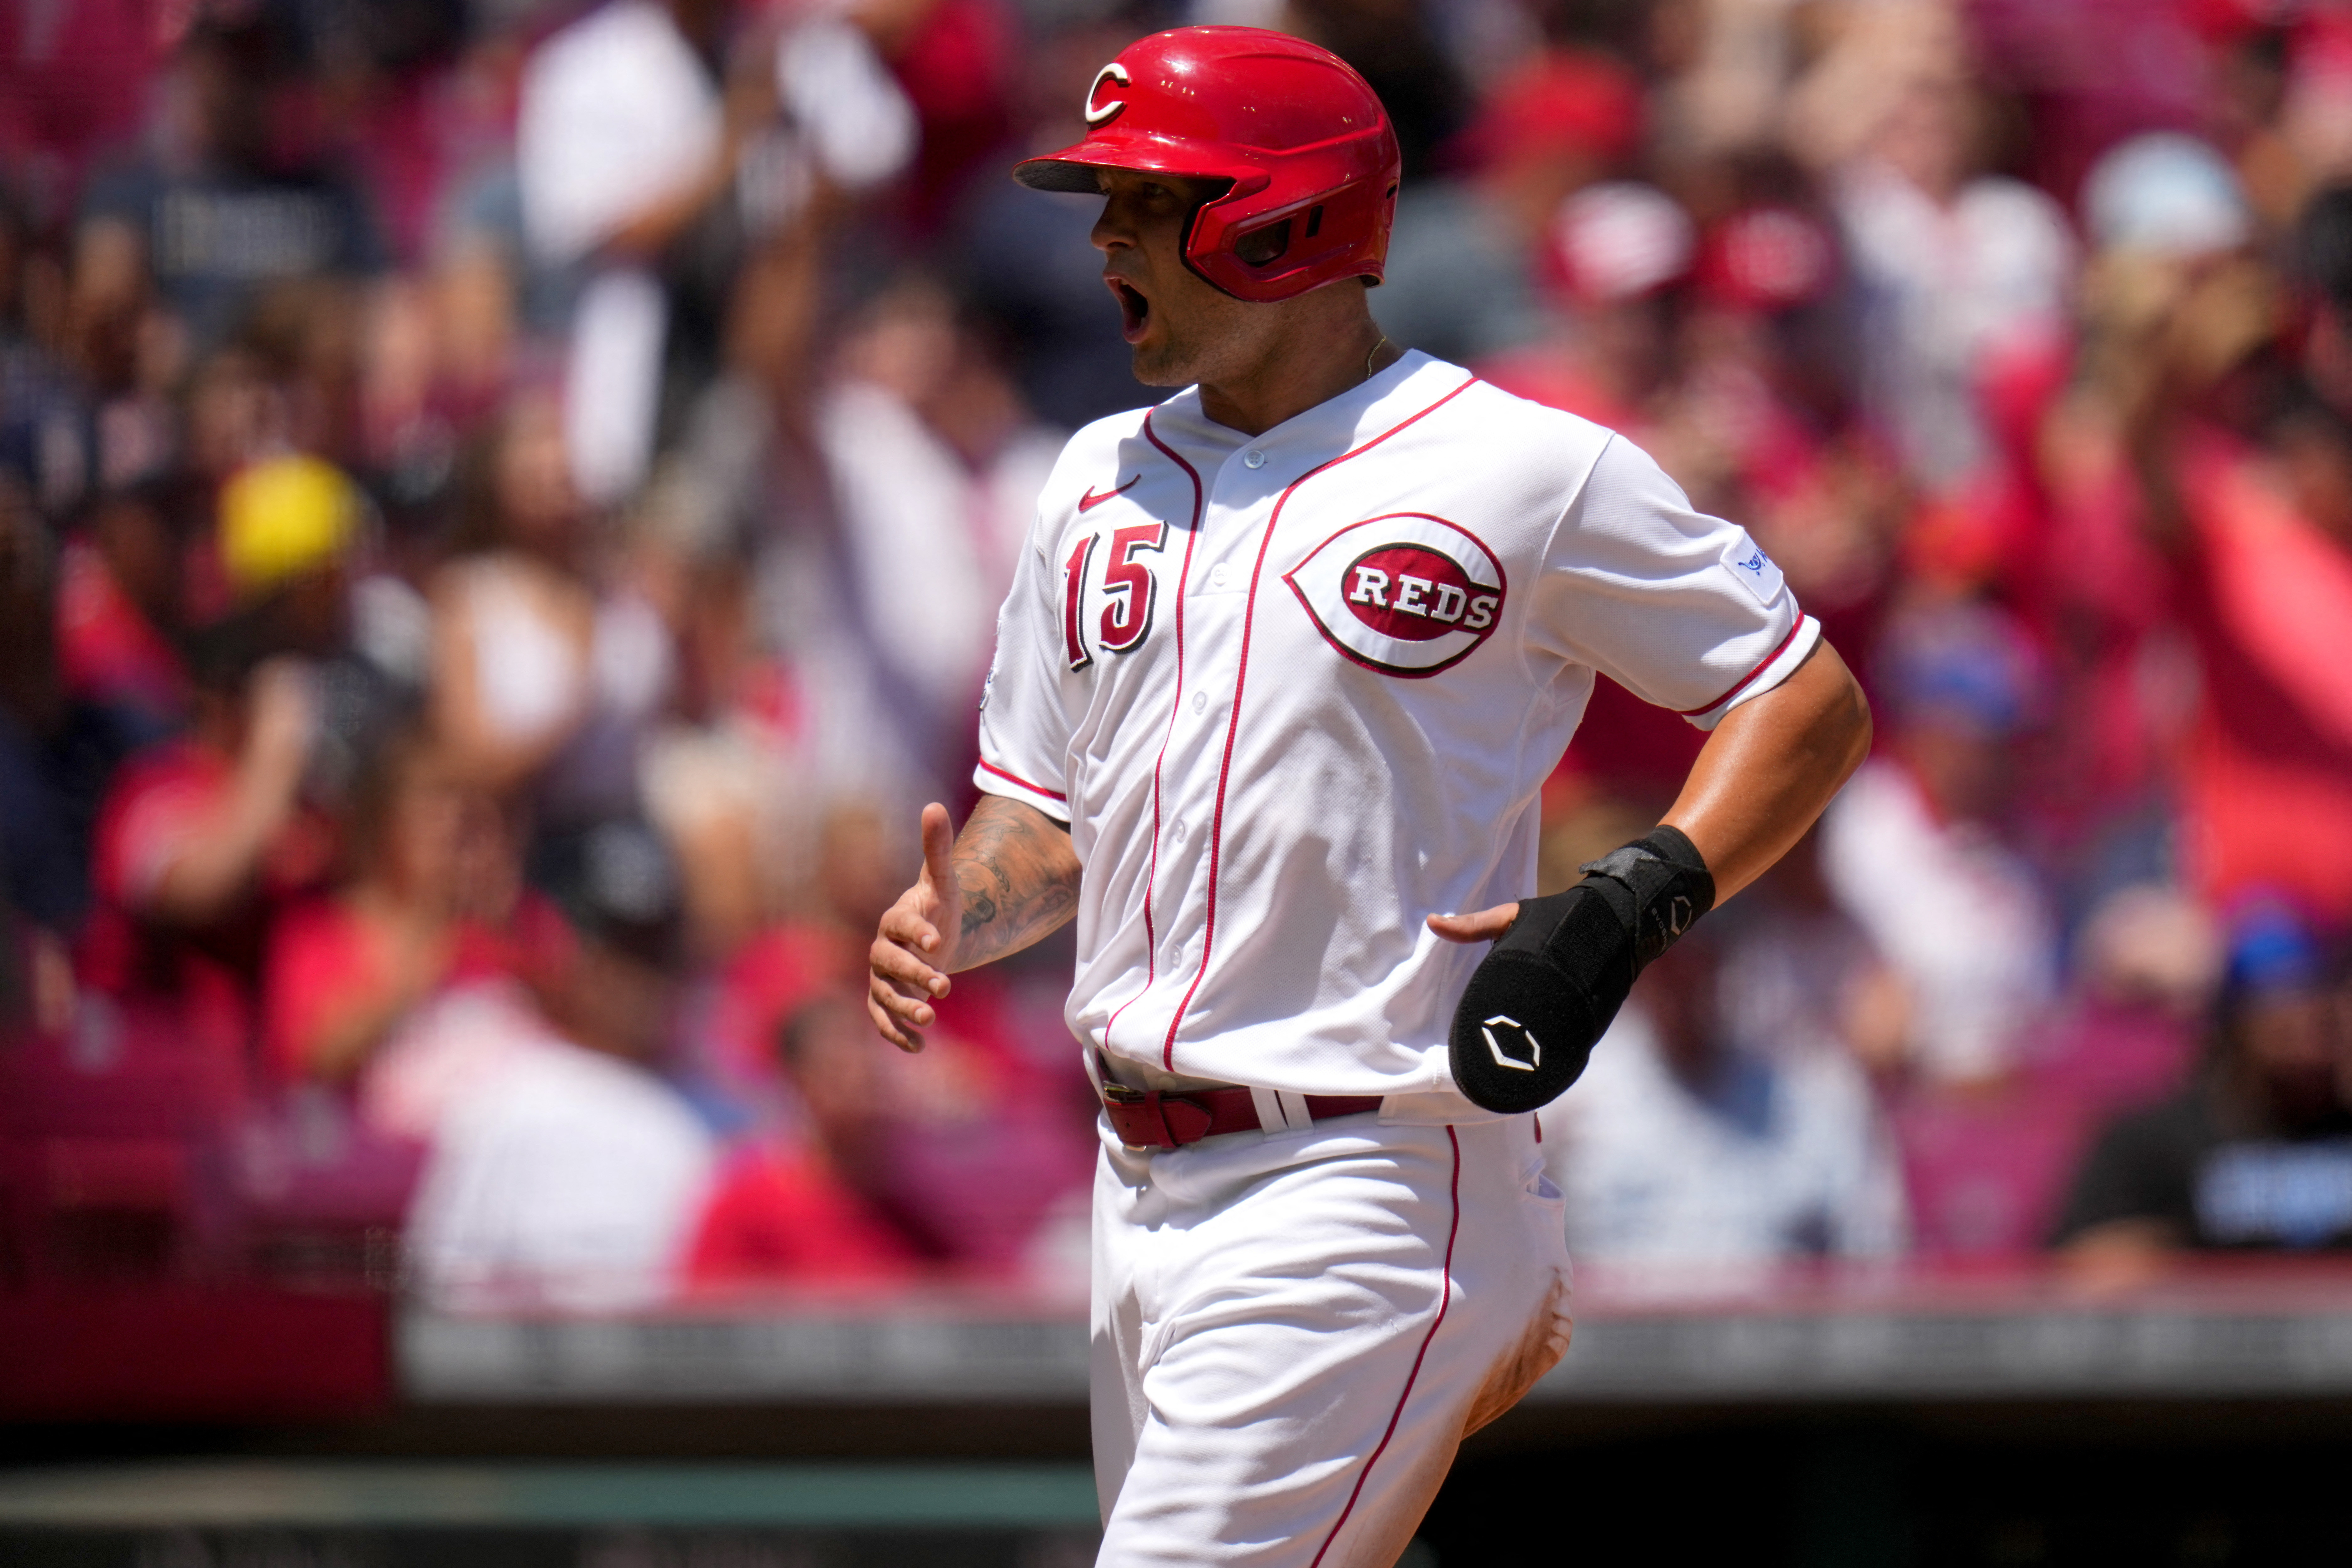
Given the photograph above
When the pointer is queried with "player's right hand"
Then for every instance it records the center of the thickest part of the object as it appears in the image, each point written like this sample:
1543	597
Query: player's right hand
915	947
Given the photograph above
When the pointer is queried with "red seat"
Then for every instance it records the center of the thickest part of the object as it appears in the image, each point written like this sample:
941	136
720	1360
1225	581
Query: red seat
319	1197
109	1138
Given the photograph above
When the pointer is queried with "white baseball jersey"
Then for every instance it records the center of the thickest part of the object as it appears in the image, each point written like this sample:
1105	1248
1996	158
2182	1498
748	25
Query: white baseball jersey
1294	693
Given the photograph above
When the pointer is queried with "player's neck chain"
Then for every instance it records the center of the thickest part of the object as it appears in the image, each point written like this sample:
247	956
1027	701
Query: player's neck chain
1372	354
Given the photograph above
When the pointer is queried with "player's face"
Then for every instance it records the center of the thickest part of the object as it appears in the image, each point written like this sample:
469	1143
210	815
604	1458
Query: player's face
1180	327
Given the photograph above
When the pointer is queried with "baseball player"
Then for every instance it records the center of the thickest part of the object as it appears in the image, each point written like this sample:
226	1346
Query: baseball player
1282	671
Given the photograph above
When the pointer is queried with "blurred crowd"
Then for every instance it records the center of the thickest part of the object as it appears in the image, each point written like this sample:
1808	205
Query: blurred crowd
503	502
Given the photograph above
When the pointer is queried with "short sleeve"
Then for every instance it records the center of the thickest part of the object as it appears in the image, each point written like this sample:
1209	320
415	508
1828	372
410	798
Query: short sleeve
1025	725
1682	609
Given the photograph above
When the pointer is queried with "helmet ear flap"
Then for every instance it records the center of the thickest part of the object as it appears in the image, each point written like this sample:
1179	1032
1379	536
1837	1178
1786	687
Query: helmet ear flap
1202	229
1320	239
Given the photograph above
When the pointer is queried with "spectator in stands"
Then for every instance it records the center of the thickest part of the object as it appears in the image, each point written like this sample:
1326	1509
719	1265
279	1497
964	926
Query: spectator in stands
1955	265
633	127
200	836
2257	1152
429	904
45	414
87	365
958	1156
790	1207
541	684
1914	849
218	212
2257	524
204	836
1988	1163
1023	261
849	859
561	1169
933	457
44	888
1798	977
723	773
291	528
43	841
1686	1157
1617	248
120	606
1469	253
2148	963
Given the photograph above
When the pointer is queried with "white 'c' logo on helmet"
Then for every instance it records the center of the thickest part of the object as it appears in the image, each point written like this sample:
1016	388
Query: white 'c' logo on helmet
1109	111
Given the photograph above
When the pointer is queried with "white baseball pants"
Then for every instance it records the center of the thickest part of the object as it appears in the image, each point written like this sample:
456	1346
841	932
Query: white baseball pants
1292	1331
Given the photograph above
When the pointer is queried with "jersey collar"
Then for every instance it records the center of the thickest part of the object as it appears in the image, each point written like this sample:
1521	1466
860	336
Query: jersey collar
1332	426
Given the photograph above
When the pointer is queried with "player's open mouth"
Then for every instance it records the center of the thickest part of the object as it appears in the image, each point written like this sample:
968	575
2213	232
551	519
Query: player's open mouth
1134	308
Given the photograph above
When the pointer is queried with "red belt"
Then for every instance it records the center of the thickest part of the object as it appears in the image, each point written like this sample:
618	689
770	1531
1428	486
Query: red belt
1146	1119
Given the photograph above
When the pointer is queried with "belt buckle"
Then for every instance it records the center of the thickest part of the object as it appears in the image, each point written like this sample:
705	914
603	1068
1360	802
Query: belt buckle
1141	1117
1135	1116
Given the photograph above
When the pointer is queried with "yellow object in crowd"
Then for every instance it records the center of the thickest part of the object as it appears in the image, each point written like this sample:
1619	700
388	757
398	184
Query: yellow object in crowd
283	518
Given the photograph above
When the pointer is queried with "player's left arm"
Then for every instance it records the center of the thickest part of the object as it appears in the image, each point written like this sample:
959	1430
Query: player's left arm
1563	963
1767	770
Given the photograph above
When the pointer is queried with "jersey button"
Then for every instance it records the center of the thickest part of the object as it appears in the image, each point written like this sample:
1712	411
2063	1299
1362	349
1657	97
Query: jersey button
1220	575
1254	459
1199	702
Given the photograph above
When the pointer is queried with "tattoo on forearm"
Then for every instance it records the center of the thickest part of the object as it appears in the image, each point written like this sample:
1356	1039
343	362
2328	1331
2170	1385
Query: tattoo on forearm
1019	880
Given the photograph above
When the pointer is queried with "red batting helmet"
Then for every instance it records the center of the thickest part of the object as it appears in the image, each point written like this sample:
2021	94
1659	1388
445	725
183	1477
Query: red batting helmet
1302	139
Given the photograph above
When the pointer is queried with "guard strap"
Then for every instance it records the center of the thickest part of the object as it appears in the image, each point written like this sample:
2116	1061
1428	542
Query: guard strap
1546	990
1657	887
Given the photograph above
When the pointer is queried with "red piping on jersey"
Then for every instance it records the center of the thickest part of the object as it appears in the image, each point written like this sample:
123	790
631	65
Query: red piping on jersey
1025	783
1152	877
1444	1300
1234	719
1742	684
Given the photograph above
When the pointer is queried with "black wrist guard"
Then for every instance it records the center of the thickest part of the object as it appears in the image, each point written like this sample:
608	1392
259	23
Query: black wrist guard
1546	990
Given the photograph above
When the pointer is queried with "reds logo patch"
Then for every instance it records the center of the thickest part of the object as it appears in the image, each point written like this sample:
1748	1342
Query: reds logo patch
1407	594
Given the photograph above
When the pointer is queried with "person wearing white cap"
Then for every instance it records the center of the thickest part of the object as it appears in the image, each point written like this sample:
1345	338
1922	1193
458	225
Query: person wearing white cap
1952	266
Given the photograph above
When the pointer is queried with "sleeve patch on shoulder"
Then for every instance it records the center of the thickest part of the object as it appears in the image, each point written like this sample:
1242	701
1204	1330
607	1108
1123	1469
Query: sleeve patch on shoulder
1755	570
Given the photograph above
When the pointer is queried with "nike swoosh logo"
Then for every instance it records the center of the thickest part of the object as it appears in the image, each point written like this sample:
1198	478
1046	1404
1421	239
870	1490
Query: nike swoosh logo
1088	501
